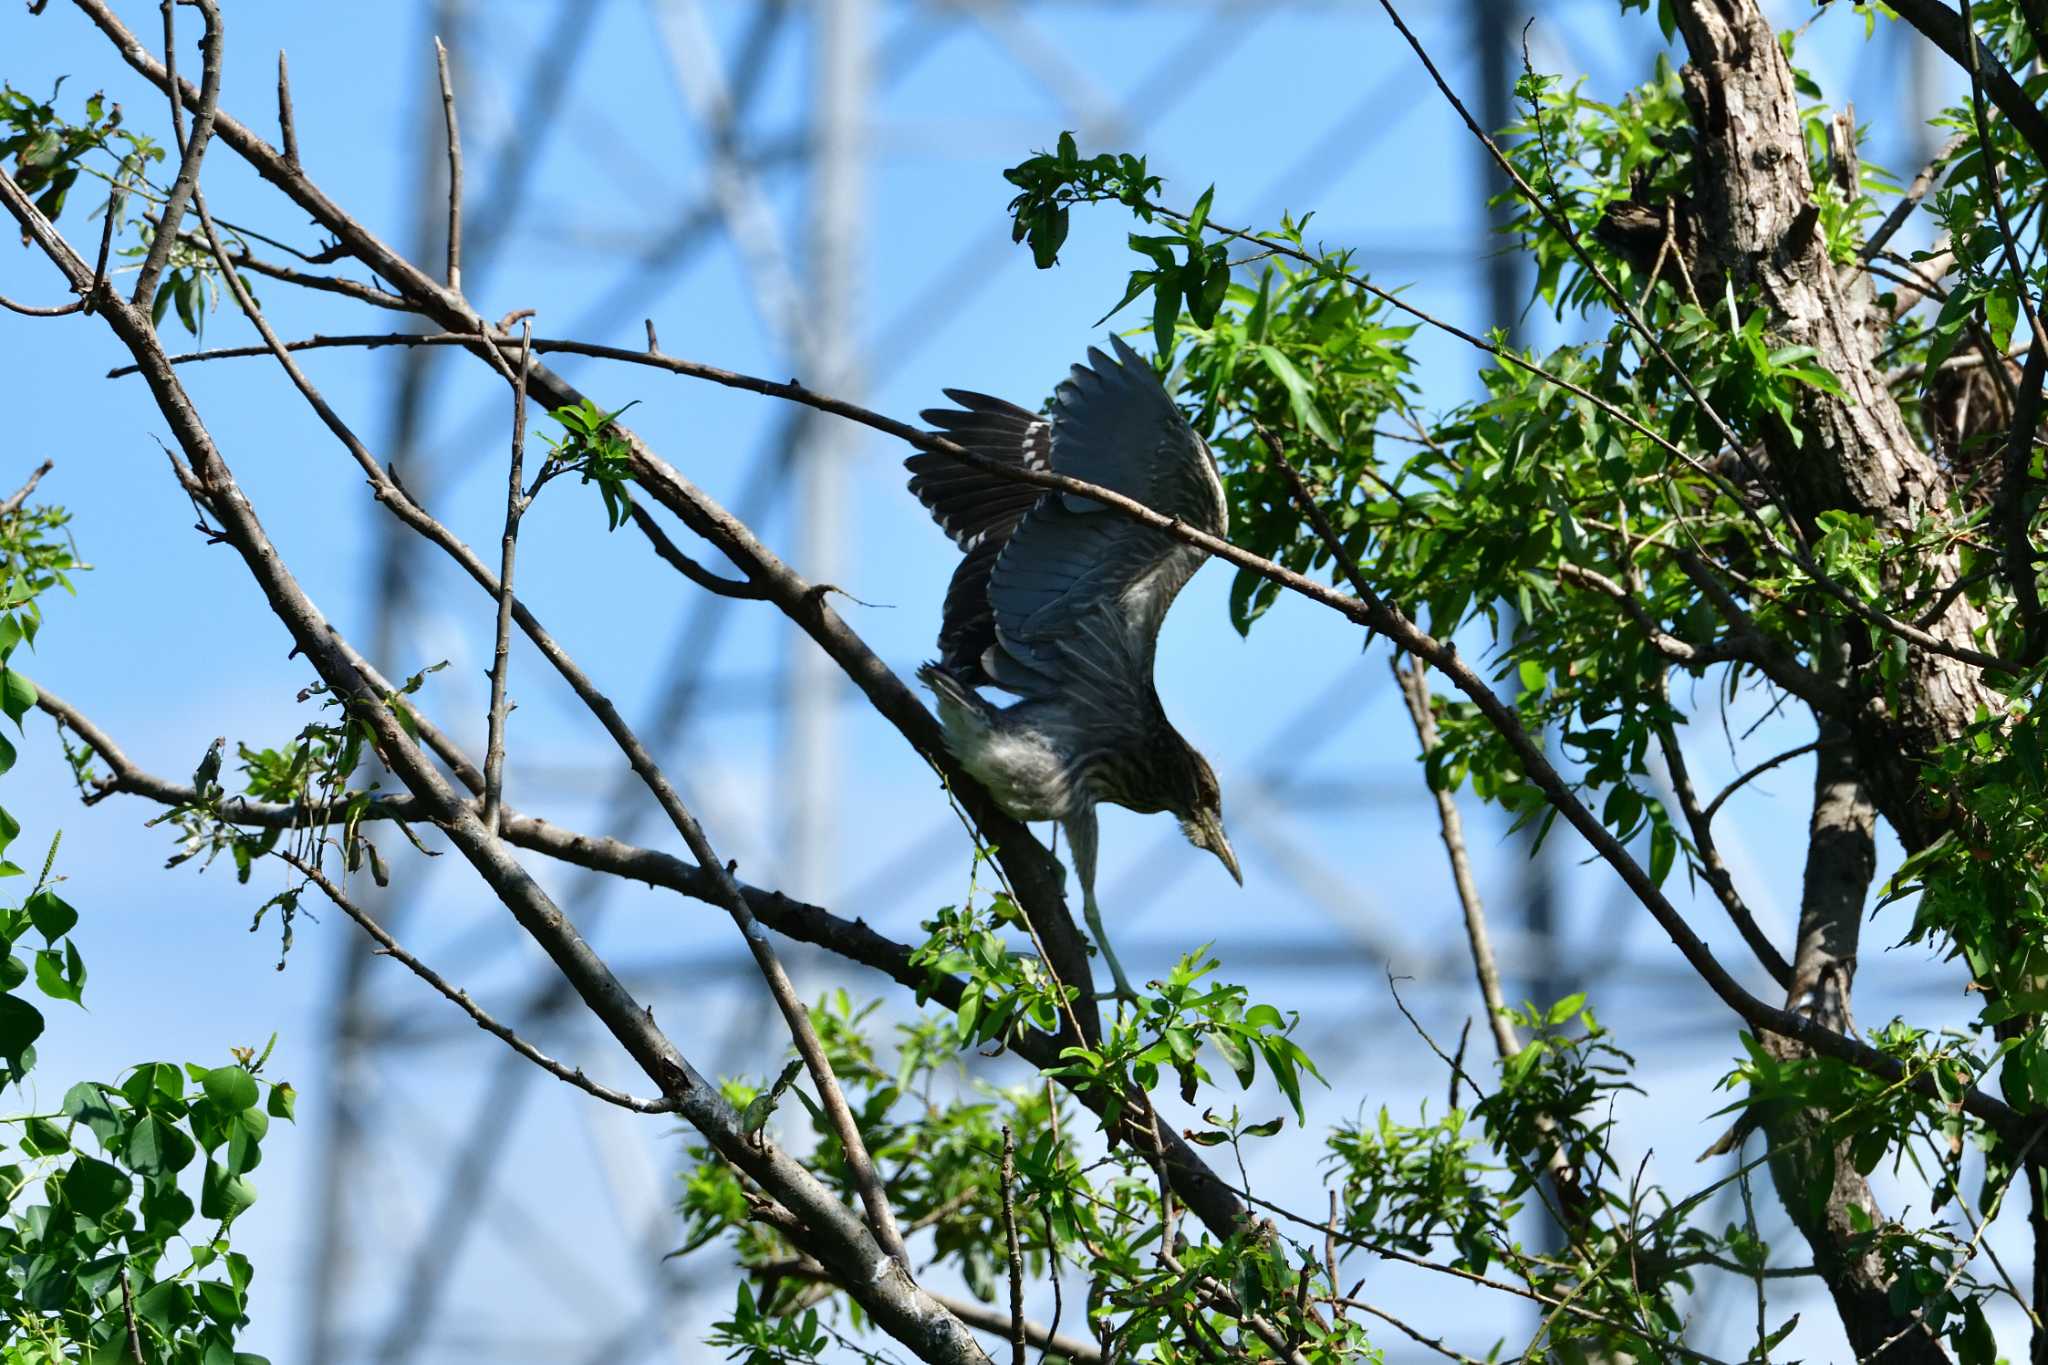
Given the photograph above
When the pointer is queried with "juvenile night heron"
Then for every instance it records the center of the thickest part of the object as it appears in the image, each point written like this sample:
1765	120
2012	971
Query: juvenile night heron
1059	602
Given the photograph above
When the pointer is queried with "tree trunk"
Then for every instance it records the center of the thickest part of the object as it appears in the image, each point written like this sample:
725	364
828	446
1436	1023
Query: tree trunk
1816	1180
1754	197
1759	223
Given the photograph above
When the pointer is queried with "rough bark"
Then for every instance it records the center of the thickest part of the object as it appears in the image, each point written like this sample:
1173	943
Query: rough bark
1755	206
1814	1176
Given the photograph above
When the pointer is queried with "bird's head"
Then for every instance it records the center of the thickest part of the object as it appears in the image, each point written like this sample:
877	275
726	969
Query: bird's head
1200	808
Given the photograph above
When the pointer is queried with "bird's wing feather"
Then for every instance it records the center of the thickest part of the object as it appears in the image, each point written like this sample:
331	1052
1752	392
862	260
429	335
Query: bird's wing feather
1078	593
978	510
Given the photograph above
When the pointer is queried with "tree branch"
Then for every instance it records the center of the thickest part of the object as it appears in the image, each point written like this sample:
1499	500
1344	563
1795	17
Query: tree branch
1944	28
191	150
1197	1185
391	948
501	653
454	170
667	551
796	1017
875	1278
1711	863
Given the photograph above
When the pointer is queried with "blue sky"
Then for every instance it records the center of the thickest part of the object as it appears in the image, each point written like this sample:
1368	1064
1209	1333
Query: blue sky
167	644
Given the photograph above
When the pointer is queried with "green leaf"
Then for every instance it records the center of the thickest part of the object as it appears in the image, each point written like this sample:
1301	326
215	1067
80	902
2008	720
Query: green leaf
283	1101
51	916
40	1137
230	1087
158	1147
222	1195
1663	851
17	695
1299	395
1975	1345
95	1189
50	977
20	1025
1564	1009
1165	312
1239	1058
86	1103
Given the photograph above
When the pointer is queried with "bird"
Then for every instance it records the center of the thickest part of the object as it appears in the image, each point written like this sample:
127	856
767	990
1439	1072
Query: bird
1058	601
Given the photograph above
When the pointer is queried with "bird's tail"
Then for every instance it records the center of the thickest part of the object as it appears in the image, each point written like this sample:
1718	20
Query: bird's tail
952	693
965	715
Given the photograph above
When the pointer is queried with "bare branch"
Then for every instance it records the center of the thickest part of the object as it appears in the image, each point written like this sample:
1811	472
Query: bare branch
454	170
286	128
192	150
128	1312
501	655
795	1016
1758	771
1414	685
30	310
875	1277
1910	200
689	568
1018	1338
1428	1342
1700	823
12	503
391	948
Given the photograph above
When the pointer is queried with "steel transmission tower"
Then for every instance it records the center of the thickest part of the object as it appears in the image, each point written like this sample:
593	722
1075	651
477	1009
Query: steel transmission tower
449	1224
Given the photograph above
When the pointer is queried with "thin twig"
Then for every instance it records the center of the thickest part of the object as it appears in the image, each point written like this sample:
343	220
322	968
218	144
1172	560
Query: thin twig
501	654
1414	685
191	150
1758	771
1052	1255
128	1312
391	948
689	568
454	169
1432	1343
30	310
1910	200
14	500
1718	875
99	269
1018	1340
286	128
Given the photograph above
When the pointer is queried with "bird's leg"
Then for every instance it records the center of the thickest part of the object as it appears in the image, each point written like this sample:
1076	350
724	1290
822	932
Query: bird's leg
1081	848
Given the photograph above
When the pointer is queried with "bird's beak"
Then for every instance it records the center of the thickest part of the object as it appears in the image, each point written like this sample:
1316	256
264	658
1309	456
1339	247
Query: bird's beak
1221	848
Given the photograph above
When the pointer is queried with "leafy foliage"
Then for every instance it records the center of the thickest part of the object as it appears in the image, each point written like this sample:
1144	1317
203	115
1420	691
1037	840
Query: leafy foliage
106	1196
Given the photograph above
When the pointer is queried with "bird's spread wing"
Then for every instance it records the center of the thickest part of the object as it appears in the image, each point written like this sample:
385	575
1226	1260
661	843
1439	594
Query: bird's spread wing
978	510
1078	592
